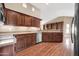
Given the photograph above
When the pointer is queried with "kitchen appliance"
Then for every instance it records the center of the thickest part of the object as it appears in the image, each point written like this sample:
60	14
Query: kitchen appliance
72	30
75	30
38	37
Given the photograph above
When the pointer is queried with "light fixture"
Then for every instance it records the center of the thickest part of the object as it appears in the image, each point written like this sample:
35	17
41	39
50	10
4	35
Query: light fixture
33	9
24	5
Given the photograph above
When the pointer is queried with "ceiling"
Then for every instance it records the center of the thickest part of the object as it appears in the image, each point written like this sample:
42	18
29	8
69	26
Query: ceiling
53	10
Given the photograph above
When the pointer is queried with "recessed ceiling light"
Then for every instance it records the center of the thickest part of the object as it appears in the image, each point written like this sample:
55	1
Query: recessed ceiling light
24	5
33	9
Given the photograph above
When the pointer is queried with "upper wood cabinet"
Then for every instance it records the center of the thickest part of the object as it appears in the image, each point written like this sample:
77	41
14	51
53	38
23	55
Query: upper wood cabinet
56	26
20	19
60	25
28	20
10	17
35	22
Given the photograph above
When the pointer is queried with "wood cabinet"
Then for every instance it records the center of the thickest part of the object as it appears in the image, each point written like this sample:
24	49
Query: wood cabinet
28	20
20	19
56	26
52	37
11	18
24	41
35	22
7	50
60	25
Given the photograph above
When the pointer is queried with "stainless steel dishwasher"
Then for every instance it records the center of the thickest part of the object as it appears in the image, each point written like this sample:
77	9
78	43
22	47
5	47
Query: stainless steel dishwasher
38	37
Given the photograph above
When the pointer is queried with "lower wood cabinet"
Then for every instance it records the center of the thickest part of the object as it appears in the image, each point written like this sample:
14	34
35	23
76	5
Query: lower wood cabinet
7	50
52	36
24	41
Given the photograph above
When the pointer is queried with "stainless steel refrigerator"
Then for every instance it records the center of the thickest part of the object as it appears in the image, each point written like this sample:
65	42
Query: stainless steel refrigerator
75	30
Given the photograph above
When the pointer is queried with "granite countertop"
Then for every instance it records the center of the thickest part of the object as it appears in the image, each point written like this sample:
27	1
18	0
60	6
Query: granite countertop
27	32
7	42
8	33
52	31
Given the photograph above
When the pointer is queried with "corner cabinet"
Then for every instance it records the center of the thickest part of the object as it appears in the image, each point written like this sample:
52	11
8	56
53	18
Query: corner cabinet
20	19
35	22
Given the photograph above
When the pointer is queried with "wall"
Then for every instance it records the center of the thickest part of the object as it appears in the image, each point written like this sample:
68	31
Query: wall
19	7
54	10
67	34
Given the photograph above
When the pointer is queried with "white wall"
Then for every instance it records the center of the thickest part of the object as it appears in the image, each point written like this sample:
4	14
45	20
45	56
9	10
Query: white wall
56	9
53	10
67	34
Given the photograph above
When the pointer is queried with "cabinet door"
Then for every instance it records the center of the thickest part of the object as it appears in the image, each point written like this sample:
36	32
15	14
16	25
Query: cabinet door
45	37
33	40
7	50
18	43
58	37
25	41
29	40
28	20
51	37
10	18
60	25
35	22
19	19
